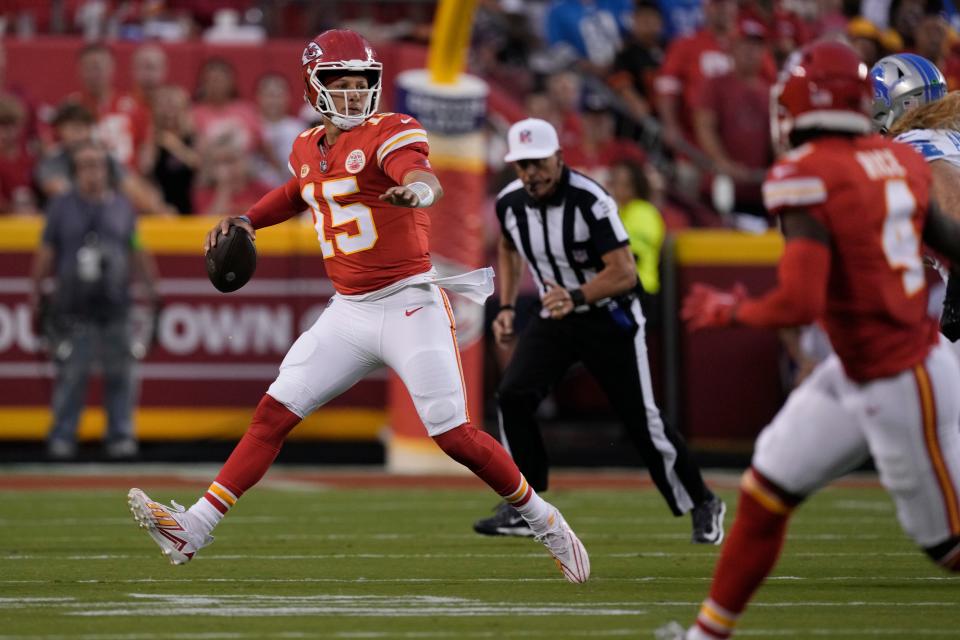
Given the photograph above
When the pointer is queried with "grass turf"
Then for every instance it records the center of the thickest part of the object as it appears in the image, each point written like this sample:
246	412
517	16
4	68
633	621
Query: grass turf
405	564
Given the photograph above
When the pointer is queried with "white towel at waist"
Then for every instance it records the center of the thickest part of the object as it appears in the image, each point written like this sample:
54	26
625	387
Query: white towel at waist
476	285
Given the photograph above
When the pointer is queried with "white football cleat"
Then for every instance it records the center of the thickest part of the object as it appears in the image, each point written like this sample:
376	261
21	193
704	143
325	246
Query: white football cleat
566	548
168	526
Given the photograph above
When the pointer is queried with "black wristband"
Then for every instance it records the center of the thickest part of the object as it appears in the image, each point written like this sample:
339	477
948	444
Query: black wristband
505	307
576	295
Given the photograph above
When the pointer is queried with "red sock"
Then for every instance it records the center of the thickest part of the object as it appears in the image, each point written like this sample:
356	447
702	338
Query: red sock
259	446
479	452
749	553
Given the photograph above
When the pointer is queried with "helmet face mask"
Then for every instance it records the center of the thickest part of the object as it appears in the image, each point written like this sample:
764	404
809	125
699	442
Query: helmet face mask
335	54
901	83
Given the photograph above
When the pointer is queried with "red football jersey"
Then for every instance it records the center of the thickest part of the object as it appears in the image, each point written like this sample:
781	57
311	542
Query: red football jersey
367	243
123	124
871	194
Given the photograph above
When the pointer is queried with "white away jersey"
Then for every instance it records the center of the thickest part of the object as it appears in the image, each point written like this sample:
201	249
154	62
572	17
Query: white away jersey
934	144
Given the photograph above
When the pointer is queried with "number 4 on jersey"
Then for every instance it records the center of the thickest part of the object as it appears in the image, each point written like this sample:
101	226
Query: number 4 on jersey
900	242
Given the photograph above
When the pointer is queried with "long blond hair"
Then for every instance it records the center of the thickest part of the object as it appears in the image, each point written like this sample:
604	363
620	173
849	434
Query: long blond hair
941	114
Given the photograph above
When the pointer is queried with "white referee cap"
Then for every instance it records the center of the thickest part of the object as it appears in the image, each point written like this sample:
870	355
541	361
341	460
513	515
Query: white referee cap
531	139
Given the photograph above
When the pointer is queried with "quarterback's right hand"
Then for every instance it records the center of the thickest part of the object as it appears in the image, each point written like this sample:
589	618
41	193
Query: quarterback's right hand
223	227
503	326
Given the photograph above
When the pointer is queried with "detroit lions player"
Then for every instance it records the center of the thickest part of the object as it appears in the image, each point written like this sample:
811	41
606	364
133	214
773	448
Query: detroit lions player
911	104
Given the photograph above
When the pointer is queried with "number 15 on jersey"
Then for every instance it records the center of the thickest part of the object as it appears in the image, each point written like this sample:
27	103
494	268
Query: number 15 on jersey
346	243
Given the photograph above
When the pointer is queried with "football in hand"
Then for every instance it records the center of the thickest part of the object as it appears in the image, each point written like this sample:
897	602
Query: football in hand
231	263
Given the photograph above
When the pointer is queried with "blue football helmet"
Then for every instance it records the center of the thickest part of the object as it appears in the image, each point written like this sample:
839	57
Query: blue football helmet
902	82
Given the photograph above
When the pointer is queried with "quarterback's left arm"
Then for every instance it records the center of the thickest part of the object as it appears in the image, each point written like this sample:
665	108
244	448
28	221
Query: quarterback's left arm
404	158
801	292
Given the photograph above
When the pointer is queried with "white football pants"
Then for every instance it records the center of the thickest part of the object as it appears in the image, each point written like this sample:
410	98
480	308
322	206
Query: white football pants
907	422
412	331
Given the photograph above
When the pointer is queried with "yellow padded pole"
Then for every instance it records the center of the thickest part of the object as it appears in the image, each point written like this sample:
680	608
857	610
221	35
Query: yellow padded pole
450	40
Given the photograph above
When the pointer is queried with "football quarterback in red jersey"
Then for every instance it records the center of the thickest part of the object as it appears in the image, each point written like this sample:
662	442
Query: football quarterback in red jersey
366	179
853	208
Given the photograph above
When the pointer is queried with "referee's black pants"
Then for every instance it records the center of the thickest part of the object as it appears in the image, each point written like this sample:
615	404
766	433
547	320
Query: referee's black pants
617	358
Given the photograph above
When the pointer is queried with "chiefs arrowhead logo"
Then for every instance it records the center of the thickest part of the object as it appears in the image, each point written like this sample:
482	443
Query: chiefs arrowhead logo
311	52
304	170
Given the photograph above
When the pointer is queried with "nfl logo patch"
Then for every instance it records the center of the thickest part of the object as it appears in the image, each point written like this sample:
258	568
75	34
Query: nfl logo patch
526	136
355	161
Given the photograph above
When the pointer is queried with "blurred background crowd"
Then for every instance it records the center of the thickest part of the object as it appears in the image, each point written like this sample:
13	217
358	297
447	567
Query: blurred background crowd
664	102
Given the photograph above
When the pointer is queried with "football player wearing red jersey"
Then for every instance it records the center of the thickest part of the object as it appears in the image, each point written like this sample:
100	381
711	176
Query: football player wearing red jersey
853	207
366	179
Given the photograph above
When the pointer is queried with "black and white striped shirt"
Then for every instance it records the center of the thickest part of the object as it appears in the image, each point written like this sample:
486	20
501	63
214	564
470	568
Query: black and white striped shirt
562	239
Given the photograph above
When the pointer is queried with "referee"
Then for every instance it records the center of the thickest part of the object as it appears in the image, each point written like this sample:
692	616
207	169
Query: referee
567	229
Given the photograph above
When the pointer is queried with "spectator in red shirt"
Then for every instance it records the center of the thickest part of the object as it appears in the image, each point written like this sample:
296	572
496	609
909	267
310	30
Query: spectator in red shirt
786	31
564	89
219	110
689	61
732	121
148	66
122	123
28	132
16	163
227	183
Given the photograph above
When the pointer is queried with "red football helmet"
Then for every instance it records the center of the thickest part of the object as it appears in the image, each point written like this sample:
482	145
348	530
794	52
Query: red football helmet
336	53
824	86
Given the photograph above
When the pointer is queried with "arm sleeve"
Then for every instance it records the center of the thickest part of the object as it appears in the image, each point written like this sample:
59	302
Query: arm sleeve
412	157
930	144
277	205
801	292
501	208
788	186
606	228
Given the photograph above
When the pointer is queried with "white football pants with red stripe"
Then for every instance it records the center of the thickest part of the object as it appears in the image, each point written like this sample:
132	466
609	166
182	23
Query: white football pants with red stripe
908	422
412	331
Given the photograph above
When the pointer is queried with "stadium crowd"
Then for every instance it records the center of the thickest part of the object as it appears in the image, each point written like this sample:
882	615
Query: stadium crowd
665	102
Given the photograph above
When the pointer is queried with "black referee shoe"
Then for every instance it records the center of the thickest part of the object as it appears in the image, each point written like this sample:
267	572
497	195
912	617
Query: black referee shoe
708	521
505	521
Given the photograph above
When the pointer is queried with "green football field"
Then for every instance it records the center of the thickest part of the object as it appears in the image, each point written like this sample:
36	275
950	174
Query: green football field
294	560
